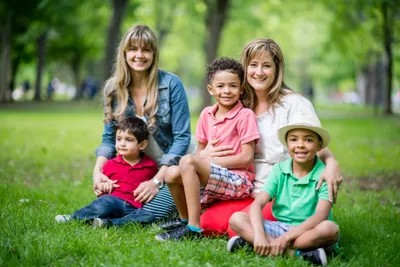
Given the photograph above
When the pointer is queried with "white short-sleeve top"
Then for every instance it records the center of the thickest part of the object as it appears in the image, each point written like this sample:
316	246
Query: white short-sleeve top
269	150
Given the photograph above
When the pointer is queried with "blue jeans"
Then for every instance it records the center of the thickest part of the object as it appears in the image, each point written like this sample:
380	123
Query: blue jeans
114	211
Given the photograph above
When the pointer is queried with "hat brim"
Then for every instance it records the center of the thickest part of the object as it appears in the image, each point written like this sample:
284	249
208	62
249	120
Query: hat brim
318	130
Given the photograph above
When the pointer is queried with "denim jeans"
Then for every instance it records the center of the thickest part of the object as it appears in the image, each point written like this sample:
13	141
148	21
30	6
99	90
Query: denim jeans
114	211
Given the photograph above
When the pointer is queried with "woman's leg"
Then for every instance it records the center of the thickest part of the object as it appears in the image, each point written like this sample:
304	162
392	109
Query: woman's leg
162	205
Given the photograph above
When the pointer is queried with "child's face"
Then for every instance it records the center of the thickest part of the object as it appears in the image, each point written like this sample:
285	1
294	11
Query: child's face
139	57
226	88
127	145
302	145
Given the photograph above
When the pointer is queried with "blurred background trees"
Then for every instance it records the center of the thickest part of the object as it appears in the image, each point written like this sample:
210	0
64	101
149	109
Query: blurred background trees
335	50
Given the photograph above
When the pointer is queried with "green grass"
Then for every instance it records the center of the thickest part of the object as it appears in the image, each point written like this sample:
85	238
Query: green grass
45	169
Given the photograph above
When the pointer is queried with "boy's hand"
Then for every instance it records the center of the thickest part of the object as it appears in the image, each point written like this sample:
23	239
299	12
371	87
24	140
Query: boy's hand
101	178
279	245
333	177
261	245
213	152
105	187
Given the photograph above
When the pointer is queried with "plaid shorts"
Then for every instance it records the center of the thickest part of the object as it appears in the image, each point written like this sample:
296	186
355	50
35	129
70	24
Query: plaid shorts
224	184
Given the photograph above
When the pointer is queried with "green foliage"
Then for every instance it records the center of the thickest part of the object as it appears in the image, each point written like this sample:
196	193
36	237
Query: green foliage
46	170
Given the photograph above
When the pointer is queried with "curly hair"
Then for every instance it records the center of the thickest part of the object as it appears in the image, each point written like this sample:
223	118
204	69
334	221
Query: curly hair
225	64
134	126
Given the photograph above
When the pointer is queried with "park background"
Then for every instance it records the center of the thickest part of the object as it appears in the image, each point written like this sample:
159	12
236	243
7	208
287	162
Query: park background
55	56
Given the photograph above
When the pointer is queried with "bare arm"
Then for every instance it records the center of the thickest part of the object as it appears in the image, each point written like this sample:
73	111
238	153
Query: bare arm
261	242
332	174
99	178
241	160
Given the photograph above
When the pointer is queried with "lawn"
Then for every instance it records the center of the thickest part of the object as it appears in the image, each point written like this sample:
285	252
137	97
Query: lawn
45	168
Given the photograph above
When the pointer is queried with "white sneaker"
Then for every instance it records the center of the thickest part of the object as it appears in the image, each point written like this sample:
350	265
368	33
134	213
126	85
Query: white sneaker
63	218
97	222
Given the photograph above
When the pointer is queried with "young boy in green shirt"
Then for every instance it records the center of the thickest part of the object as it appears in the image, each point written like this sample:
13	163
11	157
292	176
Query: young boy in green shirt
304	225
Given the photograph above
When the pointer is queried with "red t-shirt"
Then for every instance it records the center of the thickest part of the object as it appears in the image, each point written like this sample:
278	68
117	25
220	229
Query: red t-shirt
129	177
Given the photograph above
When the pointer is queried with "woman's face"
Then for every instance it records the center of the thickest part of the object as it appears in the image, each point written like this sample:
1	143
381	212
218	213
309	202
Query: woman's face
139	57
261	72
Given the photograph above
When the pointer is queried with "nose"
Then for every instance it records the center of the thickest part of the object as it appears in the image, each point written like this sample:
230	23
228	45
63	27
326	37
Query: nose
259	70
300	143
139	53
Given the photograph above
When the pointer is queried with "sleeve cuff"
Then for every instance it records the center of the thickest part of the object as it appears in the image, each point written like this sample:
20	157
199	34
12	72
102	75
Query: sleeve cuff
170	159
105	151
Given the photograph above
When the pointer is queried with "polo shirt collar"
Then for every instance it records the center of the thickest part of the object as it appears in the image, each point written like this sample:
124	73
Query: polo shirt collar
144	162
231	114
288	169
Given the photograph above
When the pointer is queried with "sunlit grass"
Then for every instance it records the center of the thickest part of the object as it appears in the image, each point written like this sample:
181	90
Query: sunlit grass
45	169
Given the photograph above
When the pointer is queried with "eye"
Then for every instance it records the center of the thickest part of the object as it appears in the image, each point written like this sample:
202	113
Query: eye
118	138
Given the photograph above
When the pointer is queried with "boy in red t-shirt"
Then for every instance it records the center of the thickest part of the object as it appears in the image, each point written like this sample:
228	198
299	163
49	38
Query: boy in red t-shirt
230	177
128	170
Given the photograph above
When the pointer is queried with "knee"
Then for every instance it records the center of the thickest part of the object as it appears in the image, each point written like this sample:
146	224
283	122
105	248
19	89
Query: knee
236	221
186	161
172	175
329	230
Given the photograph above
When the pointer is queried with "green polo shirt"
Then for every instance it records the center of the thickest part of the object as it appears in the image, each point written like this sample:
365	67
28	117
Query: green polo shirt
296	199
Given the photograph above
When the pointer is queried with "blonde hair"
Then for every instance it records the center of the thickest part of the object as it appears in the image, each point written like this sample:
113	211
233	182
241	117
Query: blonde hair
117	85
278	88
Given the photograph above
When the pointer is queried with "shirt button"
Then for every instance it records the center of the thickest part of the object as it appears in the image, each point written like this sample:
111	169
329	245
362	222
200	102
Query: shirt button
214	126
165	144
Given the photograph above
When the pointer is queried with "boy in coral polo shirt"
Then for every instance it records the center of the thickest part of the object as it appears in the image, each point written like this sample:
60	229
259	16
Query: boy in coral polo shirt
223	178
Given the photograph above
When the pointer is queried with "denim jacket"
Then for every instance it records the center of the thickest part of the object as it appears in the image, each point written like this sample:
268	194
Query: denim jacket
172	129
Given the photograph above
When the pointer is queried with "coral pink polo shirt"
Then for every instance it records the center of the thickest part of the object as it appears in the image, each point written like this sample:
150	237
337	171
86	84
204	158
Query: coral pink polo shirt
238	127
129	177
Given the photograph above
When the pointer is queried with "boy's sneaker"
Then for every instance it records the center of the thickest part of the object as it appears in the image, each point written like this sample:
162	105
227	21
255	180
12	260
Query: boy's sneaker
172	224
316	257
99	223
63	218
235	243
179	233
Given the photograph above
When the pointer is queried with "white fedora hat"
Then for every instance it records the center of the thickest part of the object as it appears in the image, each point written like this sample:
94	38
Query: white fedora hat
305	121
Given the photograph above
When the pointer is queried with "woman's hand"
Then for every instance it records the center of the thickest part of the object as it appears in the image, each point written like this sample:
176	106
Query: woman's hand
212	152
145	192
333	177
99	187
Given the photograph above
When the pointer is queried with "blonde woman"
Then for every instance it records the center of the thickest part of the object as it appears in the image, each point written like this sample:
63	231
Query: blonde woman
139	88
275	105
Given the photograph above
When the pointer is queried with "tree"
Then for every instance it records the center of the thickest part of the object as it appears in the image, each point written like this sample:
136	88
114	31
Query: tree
113	34
215	19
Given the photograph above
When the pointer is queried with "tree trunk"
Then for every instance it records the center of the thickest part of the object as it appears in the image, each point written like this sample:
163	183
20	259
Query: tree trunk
113	35
5	59
217	12
76	66
14	69
41	52
387	44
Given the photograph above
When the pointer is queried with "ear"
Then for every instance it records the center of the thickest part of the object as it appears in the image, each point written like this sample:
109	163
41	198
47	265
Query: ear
319	145
143	144
210	89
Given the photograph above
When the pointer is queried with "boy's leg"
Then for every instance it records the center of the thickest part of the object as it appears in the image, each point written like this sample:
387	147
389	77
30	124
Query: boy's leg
324	234
132	215
195	172
103	207
174	181
240	223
